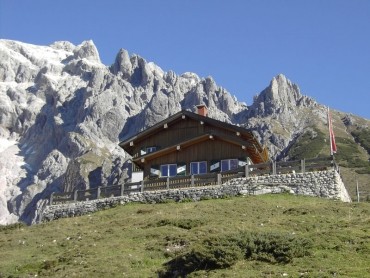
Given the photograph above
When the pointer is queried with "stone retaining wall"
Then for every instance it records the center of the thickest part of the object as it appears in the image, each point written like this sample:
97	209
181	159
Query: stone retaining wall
327	184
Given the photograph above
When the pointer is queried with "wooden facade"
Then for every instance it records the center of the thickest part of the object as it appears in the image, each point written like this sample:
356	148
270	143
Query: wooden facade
188	143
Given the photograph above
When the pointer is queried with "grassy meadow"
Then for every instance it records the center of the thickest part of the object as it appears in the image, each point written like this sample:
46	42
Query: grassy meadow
253	236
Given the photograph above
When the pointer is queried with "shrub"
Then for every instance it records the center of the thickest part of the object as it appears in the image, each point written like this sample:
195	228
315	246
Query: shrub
223	252
362	136
275	248
218	253
308	145
214	253
12	227
186	200
365	170
181	223
144	210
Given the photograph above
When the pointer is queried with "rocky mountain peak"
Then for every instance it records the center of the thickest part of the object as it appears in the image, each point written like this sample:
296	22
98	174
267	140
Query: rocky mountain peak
63	45
278	113
282	90
122	63
135	69
280	96
87	50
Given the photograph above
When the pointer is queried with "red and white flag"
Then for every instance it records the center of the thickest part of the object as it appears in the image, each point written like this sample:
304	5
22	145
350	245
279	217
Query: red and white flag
333	146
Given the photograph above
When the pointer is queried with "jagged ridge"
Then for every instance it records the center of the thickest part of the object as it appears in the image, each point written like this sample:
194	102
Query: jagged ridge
62	113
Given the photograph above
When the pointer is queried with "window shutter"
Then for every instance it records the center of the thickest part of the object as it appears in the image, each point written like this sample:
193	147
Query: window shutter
154	171
181	169
242	161
215	166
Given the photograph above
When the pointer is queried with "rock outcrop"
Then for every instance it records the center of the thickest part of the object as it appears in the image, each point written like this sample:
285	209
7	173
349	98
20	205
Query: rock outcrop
62	114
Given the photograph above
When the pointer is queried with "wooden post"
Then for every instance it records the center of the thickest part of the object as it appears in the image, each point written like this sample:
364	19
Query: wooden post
333	162
122	188
51	199
142	186
358	192
273	167
246	170
75	195
98	191
303	166
168	183
219	180
192	180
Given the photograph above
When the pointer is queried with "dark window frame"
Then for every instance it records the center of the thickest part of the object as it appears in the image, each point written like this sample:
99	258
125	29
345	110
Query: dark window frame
198	167
169	171
232	164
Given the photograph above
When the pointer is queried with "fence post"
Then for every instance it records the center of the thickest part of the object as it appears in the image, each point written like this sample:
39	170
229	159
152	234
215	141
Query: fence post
51	198
274	167
246	170
122	188
98	191
335	165
168	183
357	192
192	180
219	180
75	195
303	166
142	186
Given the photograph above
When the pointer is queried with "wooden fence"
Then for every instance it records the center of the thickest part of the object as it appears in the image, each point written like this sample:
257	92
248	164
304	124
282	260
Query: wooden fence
272	168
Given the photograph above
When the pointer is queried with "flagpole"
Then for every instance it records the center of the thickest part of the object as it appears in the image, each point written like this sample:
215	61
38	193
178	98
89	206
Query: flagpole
330	127
333	147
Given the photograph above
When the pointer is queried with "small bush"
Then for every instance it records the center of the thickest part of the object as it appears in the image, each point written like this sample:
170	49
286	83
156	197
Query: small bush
181	223
144	210
362	136
49	264
12	227
214	253
186	200
223	252
218	253
296	211
276	248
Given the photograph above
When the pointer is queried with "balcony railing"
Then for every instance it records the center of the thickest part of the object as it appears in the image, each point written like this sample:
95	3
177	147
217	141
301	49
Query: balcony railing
272	168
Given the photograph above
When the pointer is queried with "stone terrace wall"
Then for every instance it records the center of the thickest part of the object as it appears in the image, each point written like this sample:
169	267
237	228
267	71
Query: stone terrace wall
327	184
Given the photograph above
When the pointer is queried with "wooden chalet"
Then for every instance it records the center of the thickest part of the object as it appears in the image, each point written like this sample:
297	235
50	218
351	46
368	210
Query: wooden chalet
190	144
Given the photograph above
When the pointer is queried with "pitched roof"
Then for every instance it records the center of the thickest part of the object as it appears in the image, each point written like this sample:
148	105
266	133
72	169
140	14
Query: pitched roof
252	144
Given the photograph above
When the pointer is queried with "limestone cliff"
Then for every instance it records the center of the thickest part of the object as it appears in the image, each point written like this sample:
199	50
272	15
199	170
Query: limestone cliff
63	112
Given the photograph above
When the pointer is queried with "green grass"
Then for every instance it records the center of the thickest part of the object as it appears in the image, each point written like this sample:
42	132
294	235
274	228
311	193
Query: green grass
313	143
349	155
362	136
308	145
254	236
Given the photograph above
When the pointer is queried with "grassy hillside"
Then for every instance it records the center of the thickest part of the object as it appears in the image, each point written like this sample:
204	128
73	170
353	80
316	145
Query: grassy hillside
353	141
310	144
255	236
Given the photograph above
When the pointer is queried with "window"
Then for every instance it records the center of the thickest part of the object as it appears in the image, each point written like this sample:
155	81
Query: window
229	164
197	168
151	149
168	170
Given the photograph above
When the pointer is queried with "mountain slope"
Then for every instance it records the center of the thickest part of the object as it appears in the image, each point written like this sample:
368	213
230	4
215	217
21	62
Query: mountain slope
297	236
62	114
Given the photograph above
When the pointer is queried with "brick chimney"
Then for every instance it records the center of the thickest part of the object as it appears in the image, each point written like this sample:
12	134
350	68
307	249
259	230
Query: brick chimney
202	110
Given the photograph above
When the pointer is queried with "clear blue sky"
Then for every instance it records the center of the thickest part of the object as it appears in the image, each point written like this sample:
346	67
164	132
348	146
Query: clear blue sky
323	46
